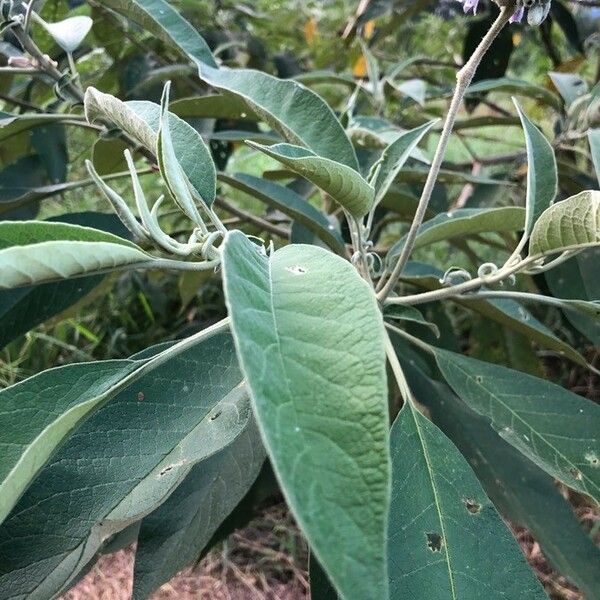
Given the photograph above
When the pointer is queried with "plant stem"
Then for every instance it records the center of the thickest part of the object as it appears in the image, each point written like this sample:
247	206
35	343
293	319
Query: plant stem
462	288
463	80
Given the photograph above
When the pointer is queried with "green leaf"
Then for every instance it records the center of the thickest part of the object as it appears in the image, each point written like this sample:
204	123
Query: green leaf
522	492
310	340
36	252
342	183
68	33
542	175
160	19
177	532
554	428
572	224
463	222
23	308
289	202
141	120
122	464
517	87
297	113
577	280
446	539
394	157
594	138
11	125
409	313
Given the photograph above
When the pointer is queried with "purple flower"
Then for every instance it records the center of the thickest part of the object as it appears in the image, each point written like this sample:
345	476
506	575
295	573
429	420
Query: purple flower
537	10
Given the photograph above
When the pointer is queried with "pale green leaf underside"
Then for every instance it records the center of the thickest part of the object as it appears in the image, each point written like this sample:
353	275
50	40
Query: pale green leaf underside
310	341
140	119
556	429
161	20
177	532
298	114
37	414
342	183
542	176
446	540
571	224
122	463
36	252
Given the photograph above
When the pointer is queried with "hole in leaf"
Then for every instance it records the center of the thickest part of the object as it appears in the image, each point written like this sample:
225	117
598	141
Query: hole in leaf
479	379
165	470
296	270
435	542
472	506
593	459
576	474
213	417
141	396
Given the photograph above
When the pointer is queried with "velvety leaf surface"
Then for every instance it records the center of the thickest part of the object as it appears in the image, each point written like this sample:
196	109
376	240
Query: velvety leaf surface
297	113
120	465
141	120
39	251
568	225
542	176
446	540
342	183
23	308
556	429
176	533
310	340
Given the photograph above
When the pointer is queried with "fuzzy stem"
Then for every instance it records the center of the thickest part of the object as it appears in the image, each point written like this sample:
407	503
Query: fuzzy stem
463	80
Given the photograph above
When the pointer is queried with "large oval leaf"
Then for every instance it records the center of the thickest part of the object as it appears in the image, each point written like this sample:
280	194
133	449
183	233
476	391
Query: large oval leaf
573	224
342	183
297	113
120	465
310	340
555	428
37	251
161	20
446	540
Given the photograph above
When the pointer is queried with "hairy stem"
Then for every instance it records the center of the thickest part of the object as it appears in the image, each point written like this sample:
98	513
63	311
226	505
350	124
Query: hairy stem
463	80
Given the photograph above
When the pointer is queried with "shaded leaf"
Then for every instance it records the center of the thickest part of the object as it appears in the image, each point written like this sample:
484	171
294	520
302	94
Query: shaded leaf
120	465
554	428
542	176
445	534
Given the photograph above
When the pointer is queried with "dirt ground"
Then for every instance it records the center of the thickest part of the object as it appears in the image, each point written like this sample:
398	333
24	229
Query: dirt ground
267	561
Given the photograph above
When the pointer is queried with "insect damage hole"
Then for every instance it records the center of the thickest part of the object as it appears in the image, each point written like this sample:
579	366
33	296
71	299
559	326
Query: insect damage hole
472	506
435	542
592	459
297	270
